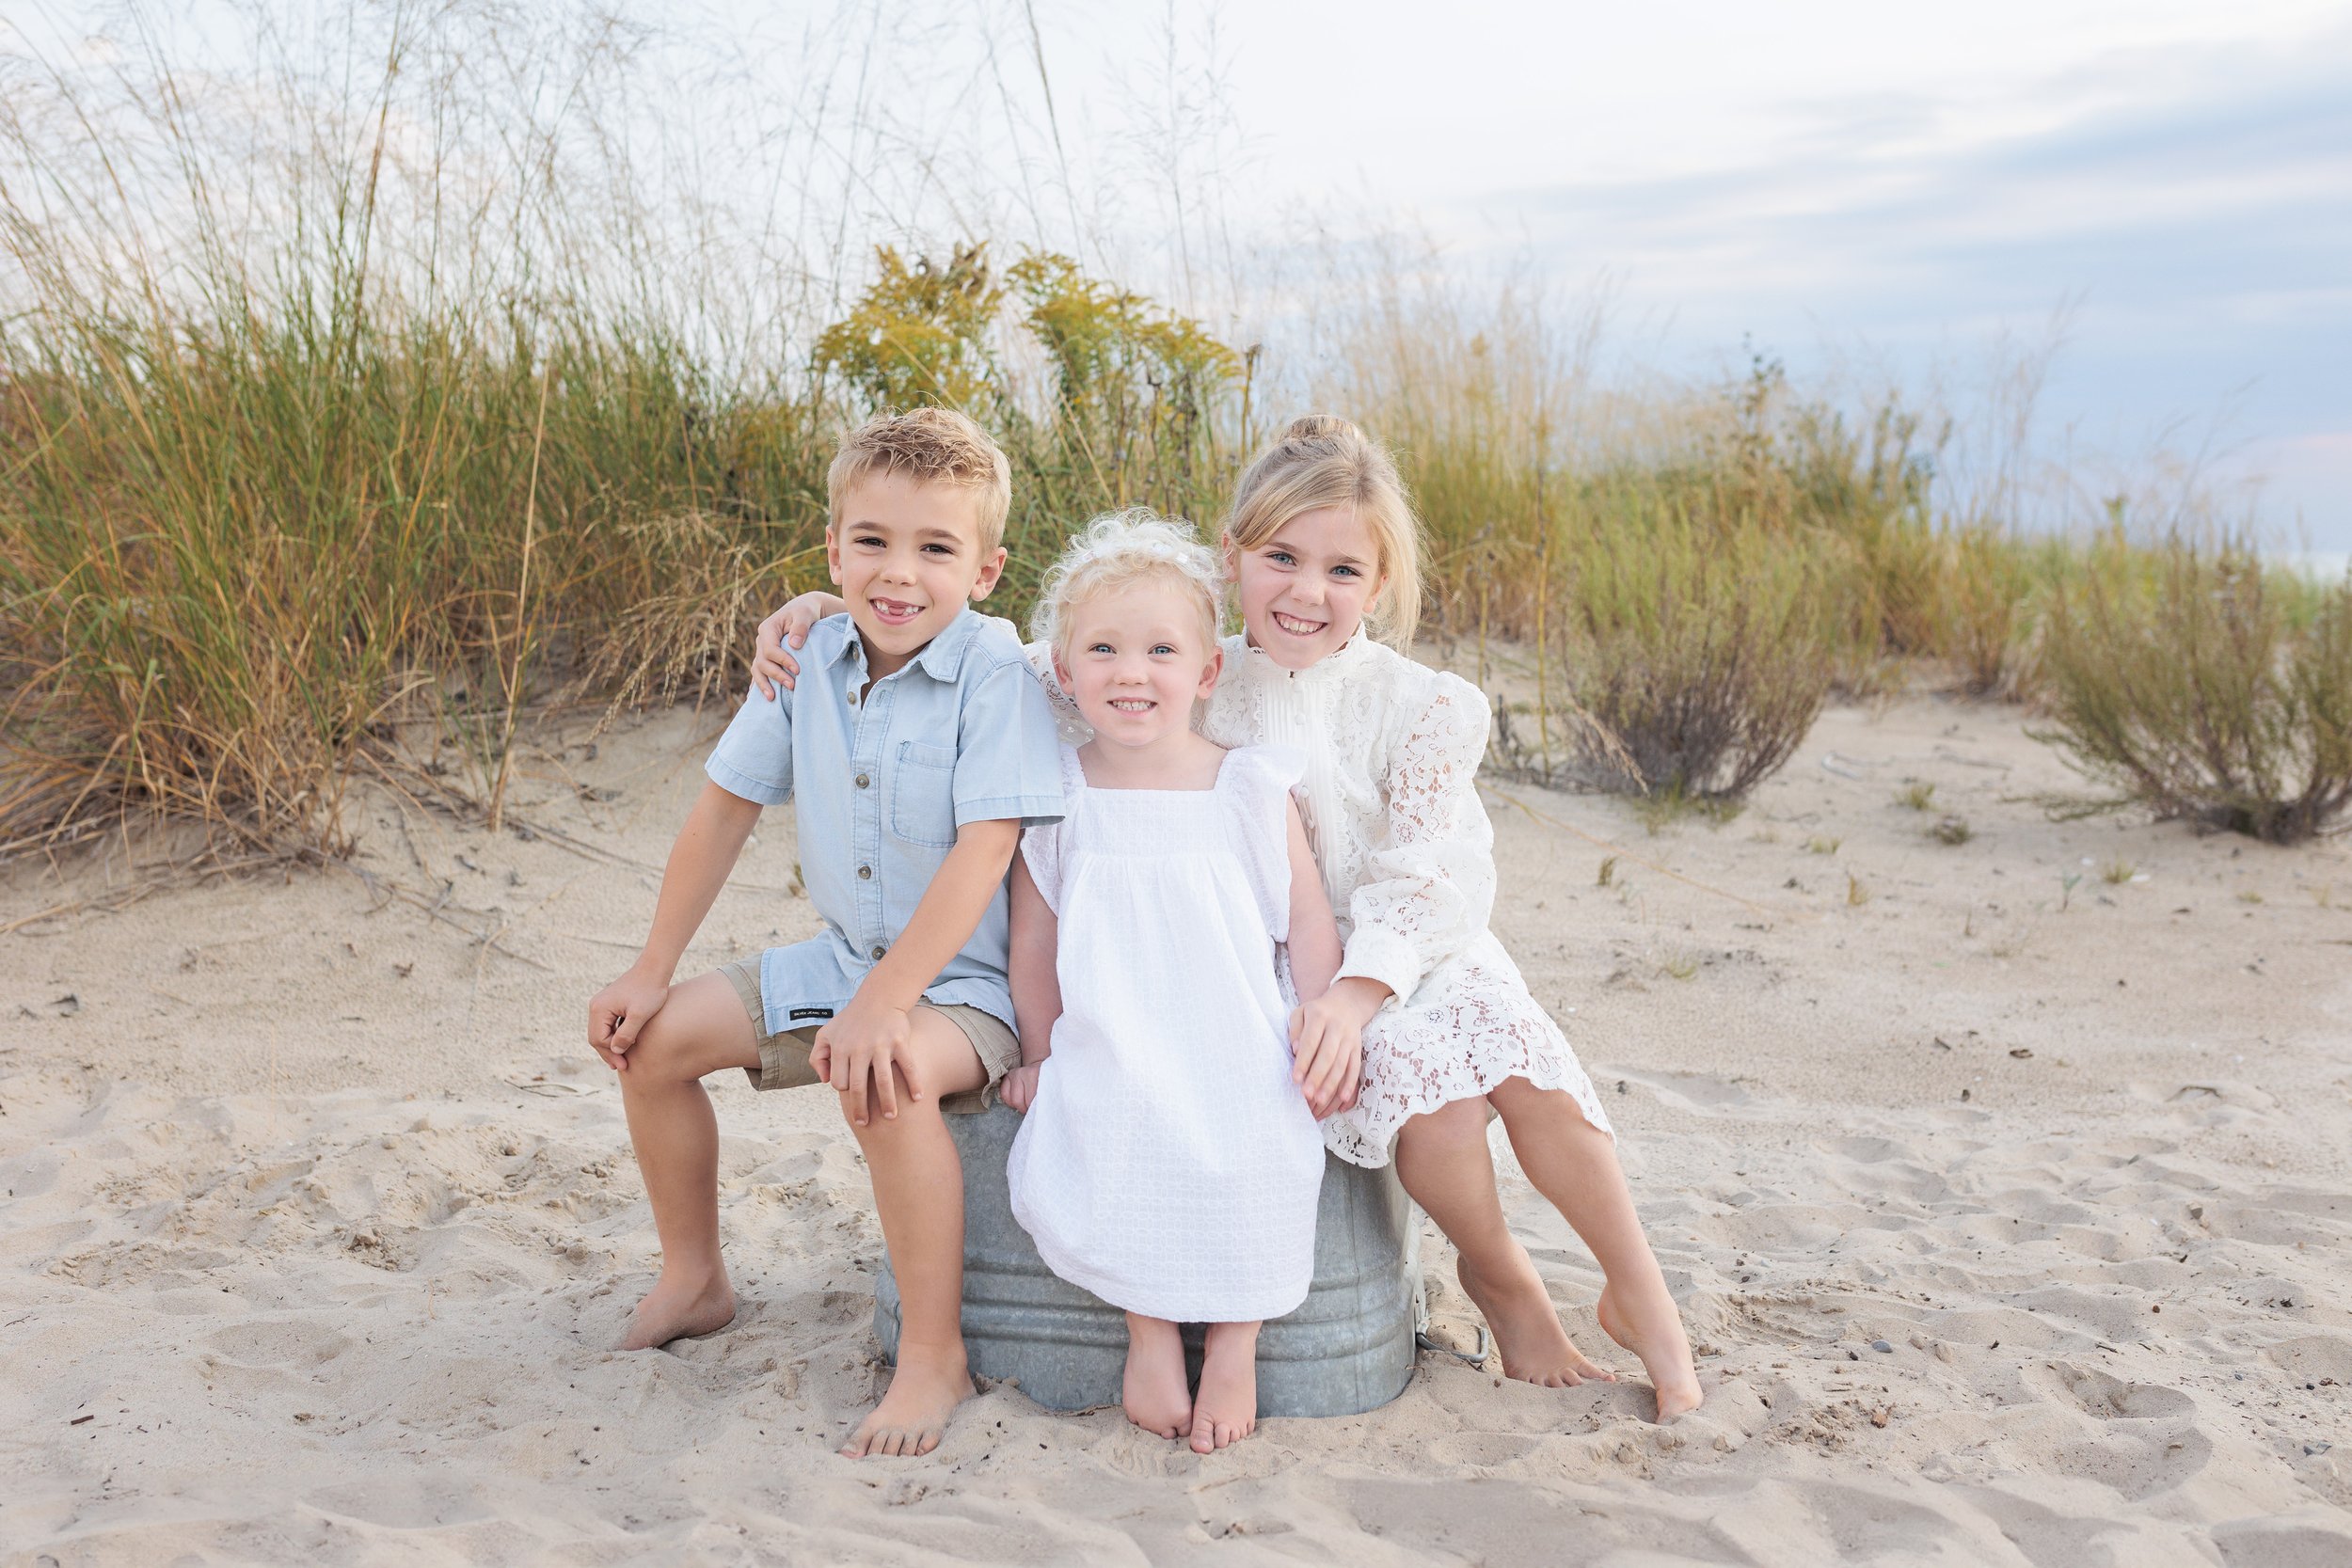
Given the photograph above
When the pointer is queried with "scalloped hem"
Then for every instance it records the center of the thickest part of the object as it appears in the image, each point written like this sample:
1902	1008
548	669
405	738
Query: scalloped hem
1373	1144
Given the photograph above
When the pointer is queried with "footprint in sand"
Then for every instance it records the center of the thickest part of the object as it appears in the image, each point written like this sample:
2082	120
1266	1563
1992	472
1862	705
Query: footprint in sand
2140	1438
279	1344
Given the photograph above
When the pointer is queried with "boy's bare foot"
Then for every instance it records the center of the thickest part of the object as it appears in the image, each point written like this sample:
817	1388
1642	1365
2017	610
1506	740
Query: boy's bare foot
1227	1410
1533	1346
912	1416
1154	1393
1652	1329
678	1309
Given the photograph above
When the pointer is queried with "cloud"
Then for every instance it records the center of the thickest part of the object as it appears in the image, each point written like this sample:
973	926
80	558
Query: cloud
2196	204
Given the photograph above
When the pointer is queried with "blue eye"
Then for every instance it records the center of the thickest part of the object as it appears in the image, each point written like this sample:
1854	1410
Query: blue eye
1098	648
1162	648
1283	557
1349	570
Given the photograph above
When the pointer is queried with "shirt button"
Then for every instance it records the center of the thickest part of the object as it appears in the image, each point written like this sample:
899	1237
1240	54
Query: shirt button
862	781
865	873
876	953
854	698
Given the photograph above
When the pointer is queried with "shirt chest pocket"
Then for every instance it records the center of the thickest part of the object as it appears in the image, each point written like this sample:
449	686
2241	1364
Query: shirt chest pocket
923	795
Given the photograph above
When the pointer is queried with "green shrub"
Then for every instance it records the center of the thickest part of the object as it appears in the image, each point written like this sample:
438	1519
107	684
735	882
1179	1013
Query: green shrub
2184	679
1702	649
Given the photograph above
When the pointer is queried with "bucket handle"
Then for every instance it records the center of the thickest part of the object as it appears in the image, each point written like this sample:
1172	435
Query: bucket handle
1485	1347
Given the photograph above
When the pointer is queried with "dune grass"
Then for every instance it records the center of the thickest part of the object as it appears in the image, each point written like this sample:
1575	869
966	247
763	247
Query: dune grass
298	456
236	548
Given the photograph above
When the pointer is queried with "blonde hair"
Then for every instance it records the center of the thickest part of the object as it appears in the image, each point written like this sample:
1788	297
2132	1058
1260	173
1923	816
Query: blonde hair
1118	550
1323	461
930	446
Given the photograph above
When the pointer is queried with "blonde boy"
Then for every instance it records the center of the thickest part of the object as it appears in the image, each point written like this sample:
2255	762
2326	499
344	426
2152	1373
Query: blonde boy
915	748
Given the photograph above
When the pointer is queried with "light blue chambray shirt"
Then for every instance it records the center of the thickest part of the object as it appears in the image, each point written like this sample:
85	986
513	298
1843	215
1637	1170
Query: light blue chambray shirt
880	785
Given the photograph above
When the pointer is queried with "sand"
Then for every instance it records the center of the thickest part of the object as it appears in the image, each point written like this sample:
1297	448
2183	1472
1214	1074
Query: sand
2009	1206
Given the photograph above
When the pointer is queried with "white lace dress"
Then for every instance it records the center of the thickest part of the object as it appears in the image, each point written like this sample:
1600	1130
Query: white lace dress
1168	1164
1391	808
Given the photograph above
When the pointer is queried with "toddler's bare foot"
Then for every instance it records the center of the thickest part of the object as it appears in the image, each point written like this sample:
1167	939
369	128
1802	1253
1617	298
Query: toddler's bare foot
1227	1410
912	1416
680	1310
1153	1393
1535	1348
1648	1325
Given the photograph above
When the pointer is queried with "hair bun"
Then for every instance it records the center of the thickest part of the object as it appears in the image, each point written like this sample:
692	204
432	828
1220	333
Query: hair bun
1309	427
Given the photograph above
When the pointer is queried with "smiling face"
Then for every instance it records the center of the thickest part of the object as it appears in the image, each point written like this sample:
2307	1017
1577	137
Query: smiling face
1135	661
1305	589
906	555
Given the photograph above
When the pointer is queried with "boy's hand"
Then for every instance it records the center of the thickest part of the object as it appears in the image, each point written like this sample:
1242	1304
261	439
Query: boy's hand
1328	1051
861	1046
618	1013
1019	1089
772	665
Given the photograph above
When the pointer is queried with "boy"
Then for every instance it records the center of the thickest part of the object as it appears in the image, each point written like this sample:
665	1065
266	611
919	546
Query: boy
915	749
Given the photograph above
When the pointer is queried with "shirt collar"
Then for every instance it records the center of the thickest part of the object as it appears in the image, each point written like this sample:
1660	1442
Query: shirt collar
940	658
943	655
1337	660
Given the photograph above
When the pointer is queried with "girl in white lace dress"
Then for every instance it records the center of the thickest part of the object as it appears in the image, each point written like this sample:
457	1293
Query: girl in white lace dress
1321	540
1167	1160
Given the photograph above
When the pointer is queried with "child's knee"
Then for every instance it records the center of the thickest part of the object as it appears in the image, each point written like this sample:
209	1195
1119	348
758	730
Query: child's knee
1553	1113
657	1061
913	1113
1461	1121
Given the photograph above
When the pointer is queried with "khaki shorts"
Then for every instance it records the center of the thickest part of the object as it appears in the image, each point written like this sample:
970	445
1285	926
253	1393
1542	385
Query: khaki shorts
783	1057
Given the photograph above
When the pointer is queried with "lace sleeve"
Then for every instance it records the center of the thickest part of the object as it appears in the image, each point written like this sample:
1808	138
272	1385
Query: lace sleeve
1428	891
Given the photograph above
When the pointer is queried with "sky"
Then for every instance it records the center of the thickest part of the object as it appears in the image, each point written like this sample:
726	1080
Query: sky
2162	190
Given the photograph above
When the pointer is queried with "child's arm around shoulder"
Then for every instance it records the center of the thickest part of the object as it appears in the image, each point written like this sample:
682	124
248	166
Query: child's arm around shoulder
773	666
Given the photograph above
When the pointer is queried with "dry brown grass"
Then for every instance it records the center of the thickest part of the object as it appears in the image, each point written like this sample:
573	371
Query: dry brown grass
444	440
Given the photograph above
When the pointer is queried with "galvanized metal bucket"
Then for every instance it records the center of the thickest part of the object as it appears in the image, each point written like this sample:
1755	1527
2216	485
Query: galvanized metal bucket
1348	1346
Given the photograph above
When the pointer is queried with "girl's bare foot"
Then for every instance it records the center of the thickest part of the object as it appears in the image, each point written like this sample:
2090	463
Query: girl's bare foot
912	1416
1649	1326
1535	1348
1154	1393
1227	1410
680	1310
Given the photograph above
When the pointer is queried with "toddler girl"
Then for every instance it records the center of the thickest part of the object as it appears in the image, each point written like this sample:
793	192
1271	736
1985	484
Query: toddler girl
1167	1162
1323	549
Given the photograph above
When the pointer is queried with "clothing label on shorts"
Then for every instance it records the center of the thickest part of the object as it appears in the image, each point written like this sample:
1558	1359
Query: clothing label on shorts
799	1013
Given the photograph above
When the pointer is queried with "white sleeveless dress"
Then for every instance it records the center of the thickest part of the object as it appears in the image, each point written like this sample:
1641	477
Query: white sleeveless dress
1168	1164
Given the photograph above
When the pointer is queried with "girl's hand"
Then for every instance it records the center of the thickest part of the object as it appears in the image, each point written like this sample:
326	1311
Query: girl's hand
772	665
1327	1054
1019	1089
618	1013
